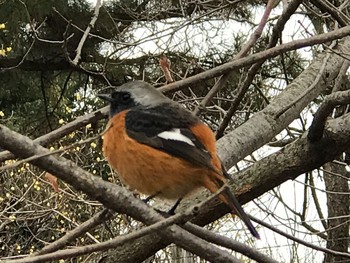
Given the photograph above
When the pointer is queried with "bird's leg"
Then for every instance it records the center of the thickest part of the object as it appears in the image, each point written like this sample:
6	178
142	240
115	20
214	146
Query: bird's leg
147	199
172	210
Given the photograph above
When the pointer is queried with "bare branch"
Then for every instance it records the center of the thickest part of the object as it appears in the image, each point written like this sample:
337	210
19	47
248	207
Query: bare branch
245	49
78	231
300	241
329	8
264	125
111	195
329	103
98	5
64	130
228	243
243	87
258	57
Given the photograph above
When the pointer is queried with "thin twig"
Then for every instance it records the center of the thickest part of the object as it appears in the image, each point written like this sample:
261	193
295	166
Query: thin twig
243	86
329	8
307	91
64	130
300	241
91	25
97	219
245	49
117	241
37	156
228	243
257	57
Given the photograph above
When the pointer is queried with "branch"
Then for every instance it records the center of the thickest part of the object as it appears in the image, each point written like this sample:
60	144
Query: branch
329	8
243	87
111	195
300	241
44	255
64	130
258	57
326	108
245	49
91	25
264	125
228	243
297	158
97	219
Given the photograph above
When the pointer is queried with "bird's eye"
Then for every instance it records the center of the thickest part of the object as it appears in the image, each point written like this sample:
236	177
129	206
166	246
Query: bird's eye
125	97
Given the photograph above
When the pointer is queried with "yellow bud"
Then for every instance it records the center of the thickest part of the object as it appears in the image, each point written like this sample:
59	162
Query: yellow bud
2	114
61	121
2	26
93	145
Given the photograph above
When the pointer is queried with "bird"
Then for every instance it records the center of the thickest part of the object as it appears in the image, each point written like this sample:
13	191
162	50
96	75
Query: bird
159	148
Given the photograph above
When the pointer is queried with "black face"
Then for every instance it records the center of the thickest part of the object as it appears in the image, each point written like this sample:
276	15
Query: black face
119	100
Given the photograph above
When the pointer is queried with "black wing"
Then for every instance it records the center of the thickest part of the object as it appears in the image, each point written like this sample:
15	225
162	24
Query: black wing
146	125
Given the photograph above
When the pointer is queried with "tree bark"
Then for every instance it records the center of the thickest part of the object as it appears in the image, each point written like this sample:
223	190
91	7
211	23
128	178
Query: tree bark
336	180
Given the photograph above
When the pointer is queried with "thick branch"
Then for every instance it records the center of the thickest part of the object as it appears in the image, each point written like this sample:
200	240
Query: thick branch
329	8
243	87
326	108
264	125
243	52
111	195
296	158
261	56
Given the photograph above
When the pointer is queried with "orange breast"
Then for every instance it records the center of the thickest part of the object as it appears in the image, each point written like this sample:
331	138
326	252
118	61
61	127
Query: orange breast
151	171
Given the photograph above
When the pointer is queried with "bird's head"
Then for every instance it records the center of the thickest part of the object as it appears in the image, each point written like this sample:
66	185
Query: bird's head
133	94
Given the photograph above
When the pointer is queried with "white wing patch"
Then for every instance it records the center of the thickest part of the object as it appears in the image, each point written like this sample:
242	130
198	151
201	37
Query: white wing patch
175	135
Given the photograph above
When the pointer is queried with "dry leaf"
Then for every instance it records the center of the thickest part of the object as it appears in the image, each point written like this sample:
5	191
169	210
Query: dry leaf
53	180
165	66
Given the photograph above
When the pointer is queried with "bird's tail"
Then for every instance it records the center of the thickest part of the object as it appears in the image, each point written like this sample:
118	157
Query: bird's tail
228	198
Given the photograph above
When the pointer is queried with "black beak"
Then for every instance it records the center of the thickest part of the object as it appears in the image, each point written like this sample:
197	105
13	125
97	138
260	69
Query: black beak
106	97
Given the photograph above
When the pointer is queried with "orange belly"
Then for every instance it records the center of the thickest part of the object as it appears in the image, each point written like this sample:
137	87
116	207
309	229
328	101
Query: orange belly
146	169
